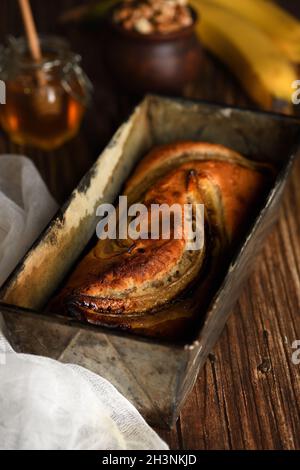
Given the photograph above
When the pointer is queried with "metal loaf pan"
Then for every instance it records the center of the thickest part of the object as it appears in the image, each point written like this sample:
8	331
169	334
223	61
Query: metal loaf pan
155	376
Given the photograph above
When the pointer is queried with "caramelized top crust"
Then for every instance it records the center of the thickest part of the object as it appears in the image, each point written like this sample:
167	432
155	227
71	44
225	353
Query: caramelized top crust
126	278
165	157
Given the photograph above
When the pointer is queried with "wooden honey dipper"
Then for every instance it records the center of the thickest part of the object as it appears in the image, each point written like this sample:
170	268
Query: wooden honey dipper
46	99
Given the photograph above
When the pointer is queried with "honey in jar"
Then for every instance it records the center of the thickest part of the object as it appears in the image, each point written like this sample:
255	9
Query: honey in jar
45	101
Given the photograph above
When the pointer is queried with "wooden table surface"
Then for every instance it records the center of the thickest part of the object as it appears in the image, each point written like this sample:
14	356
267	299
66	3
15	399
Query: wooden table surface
248	394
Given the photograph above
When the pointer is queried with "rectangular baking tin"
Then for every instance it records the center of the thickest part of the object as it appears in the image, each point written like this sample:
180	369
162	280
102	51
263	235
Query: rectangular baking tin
155	376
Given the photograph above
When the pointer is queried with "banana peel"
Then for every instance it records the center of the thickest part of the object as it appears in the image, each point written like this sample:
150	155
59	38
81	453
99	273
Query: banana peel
264	72
281	26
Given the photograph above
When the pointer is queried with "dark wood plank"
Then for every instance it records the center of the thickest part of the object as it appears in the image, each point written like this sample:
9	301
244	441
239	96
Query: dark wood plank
248	394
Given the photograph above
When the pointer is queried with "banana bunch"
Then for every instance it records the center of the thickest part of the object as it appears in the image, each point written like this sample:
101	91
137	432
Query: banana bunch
258	41
282	27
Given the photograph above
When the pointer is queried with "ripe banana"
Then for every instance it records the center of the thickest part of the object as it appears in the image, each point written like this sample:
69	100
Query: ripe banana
283	28
249	52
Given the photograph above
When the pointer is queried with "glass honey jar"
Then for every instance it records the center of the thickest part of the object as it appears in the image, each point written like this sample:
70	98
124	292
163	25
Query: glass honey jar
46	100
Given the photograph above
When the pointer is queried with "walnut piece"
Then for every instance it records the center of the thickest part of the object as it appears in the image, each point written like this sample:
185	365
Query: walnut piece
148	16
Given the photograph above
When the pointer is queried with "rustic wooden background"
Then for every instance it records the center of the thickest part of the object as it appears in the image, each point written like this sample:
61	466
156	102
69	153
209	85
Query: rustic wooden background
248	394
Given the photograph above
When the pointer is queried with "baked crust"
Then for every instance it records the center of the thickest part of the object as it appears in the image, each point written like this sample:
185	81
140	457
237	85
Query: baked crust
140	284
